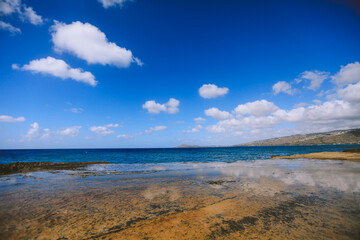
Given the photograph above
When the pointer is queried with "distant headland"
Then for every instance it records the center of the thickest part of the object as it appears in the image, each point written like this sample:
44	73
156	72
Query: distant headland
338	137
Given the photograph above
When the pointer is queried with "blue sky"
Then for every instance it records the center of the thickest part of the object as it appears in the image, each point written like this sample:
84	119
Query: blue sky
117	73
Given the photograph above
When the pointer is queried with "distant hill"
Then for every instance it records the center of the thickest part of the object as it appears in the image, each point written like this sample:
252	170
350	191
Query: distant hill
351	136
188	146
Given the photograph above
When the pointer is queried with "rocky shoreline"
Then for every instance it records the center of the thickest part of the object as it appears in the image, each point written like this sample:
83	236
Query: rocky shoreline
24	167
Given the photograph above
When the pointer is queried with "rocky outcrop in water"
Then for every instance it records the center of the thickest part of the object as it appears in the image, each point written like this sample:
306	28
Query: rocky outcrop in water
22	167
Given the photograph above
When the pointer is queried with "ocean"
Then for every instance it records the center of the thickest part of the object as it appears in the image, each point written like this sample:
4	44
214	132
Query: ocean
162	155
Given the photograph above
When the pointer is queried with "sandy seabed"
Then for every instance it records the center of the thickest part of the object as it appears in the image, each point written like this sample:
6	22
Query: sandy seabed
264	199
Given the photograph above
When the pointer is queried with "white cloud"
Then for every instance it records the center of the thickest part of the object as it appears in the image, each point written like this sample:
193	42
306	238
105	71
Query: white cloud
154	107
8	7
282	86
231	125
329	115
340	111
216	113
76	110
112	3
58	68
25	13
101	130
347	74
36	132
138	61
104	130
193	130
155	129
258	108
171	107
8	27
87	42
29	15
70	131
316	78
351	92
212	91
199	120
325	113
33	131
145	132
6	118
123	136
112	125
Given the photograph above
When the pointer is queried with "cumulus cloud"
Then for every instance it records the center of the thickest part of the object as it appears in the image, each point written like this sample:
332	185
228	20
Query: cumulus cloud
329	115
316	78
212	91
6	118
351	92
282	86
58	68
216	113
231	125
112	3
8	27
87	42
171	107
199	120
258	108
70	131
104	130
347	74
154	107
145	132
327	112
340	111
193	130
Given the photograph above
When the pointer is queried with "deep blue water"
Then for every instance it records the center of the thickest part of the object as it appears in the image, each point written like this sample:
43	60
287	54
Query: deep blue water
161	155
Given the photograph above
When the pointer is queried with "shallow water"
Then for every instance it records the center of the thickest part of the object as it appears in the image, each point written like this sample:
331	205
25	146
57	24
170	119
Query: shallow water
272	199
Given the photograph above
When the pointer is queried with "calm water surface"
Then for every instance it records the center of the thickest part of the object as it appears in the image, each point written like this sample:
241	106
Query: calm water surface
161	155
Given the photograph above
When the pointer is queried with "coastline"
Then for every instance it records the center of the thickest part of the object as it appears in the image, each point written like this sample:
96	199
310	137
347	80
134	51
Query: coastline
25	167
345	156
